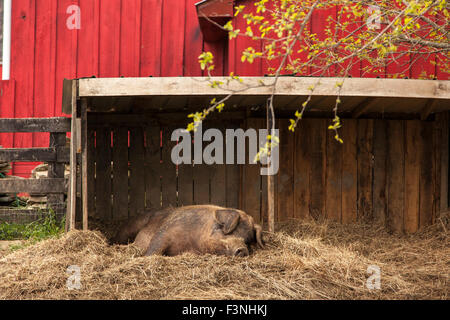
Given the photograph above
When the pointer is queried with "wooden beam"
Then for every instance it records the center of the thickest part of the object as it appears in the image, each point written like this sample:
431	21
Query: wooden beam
429	106
363	107
67	96
138	120
72	194
287	86
270	122
60	155
84	164
33	186
444	123
60	124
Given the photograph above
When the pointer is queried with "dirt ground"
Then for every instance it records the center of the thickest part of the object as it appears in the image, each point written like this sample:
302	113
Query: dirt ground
303	260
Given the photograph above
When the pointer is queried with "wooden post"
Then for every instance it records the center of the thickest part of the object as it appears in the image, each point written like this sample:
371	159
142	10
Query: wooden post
444	124
270	180
84	164
72	198
56	169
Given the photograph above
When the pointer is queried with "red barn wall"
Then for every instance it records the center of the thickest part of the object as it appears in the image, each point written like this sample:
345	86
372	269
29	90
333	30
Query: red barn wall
411	66
129	38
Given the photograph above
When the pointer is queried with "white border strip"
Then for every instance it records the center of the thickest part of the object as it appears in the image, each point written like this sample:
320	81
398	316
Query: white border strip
6	67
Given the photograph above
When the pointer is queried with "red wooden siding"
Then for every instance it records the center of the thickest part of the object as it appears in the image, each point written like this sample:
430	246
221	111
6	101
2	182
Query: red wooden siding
130	38
411	66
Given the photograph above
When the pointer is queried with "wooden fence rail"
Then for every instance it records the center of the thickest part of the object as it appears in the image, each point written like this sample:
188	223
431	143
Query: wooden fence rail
53	125
60	154
55	186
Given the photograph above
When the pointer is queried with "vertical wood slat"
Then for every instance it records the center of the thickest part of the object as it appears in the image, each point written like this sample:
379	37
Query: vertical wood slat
264	181
151	34
173	23
130	38
263	202
120	181
426	174
91	172
7	98
412	175
233	176
379	171
251	179
317	185
201	184
153	166
349	180
437	130
192	46
334	151
395	175
79	211
218	178
137	172
201	171
168	172
233	185
268	192
88	41
45	68
72	196
285	184
109	39
365	140
302	169
444	123
186	178
84	163
103	174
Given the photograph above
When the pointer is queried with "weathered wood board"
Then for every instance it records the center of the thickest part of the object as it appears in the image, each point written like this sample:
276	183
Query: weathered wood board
386	172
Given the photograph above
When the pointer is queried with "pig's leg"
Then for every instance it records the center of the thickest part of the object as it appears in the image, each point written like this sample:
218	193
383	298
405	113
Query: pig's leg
158	245
128	231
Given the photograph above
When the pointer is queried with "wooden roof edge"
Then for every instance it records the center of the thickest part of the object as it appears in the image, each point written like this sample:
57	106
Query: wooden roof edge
251	86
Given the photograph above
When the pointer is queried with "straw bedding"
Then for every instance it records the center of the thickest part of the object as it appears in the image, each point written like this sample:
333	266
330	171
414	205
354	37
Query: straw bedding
304	260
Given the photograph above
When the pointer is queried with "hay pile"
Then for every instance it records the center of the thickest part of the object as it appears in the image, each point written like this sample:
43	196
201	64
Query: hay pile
305	260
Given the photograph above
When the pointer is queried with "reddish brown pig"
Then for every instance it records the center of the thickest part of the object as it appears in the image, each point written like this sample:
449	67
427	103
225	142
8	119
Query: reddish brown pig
198	229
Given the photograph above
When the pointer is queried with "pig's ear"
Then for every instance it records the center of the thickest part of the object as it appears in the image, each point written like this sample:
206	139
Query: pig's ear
228	219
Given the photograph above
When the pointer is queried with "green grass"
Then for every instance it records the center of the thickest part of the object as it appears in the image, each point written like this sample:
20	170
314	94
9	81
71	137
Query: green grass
42	229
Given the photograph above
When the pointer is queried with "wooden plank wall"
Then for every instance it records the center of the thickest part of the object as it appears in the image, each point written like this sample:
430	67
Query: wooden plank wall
385	172
134	172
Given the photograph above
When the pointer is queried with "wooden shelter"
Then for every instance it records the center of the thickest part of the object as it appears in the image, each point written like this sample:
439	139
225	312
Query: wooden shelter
392	167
